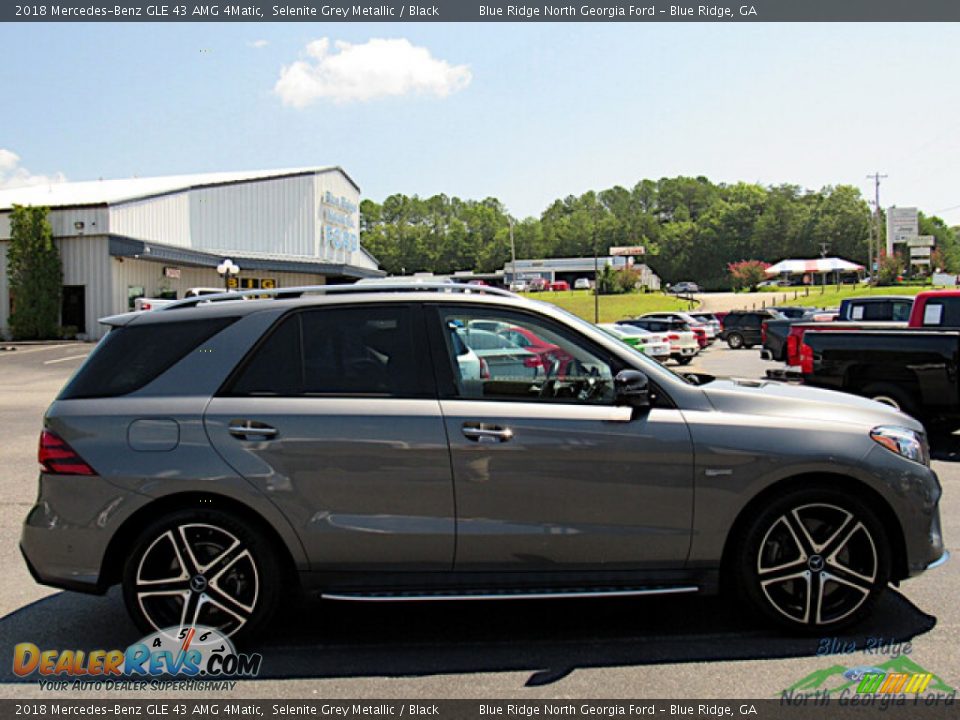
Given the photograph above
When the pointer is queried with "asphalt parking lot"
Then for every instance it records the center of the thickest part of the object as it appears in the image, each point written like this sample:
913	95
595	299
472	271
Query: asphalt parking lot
679	647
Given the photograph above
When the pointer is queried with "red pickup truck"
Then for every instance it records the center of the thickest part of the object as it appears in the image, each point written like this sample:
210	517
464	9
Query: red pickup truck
931	310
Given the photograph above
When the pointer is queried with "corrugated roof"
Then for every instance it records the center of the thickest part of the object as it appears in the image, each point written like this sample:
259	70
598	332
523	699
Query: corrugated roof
108	192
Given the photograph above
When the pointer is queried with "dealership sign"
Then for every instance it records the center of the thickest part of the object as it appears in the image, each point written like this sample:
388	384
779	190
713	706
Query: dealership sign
902	225
628	250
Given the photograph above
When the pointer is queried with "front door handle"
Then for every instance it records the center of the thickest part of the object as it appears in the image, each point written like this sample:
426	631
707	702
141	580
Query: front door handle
484	433
251	428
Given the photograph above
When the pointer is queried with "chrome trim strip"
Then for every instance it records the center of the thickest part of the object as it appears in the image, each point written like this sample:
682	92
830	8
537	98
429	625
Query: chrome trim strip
510	596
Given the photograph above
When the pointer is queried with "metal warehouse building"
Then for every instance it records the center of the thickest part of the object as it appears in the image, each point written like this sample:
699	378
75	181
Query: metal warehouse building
153	237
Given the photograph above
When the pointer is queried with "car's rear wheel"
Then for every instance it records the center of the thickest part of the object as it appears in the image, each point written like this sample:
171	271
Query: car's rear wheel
735	341
202	567
891	395
815	560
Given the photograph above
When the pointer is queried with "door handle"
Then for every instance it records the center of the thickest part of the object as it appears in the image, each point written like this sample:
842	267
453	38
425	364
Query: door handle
481	432
245	428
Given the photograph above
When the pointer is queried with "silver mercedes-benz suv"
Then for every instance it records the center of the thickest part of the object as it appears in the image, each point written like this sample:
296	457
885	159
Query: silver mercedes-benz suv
387	442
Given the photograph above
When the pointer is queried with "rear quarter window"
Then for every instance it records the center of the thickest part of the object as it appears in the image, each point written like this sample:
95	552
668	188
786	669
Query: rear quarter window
130	357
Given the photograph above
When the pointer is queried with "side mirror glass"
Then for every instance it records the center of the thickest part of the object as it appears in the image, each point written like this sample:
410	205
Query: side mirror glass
631	388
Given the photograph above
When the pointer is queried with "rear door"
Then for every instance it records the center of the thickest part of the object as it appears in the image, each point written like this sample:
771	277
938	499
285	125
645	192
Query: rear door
334	416
550	475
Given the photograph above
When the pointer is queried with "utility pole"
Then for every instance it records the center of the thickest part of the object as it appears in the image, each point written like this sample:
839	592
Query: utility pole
513	254
876	177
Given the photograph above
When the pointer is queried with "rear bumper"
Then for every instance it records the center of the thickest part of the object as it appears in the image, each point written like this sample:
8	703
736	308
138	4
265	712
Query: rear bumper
67	532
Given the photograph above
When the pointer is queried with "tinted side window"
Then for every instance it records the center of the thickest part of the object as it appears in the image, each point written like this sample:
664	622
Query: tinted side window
130	357
901	311
944	312
878	311
731	321
367	350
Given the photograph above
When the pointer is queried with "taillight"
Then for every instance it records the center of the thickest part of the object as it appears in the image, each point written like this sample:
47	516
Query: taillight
763	332
792	353
146	306
806	359
58	458
673	337
484	370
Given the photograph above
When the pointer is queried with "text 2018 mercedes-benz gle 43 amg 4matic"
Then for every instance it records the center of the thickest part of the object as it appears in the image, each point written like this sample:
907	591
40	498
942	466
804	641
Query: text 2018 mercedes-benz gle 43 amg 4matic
406	442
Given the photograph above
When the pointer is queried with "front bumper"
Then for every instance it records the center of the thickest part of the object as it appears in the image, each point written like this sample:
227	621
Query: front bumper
67	532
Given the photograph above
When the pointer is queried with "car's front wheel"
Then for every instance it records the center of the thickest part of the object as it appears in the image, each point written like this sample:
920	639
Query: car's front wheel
735	341
202	567
816	559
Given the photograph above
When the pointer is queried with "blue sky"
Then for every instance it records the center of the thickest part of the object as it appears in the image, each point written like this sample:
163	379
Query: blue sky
536	111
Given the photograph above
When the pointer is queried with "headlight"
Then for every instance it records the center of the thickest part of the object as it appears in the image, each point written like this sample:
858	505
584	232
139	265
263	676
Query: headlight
903	441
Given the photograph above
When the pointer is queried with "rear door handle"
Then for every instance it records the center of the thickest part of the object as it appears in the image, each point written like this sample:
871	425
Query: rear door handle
251	428
484	433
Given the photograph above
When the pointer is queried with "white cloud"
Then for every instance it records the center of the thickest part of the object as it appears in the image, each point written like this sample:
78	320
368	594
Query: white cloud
377	68
13	176
258	44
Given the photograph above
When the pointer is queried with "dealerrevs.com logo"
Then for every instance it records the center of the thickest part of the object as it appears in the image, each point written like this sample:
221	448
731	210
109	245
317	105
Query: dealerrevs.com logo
188	658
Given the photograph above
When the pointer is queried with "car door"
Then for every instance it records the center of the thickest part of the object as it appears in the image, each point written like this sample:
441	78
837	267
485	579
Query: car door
549	473
334	417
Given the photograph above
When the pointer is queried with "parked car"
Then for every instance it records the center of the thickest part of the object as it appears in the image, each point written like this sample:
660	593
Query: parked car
743	328
518	286
328	444
684	288
709	333
793	312
500	359
683	341
560	286
538	285
913	368
876	308
656	345
709	318
582	284
552	357
157	303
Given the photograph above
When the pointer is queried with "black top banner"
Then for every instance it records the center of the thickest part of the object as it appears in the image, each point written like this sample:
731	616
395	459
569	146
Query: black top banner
485	11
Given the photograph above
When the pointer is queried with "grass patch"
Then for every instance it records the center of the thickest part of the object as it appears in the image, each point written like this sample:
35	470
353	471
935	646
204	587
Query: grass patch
612	307
829	297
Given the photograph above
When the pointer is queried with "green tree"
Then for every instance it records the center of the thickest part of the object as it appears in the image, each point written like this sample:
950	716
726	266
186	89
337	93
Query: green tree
35	275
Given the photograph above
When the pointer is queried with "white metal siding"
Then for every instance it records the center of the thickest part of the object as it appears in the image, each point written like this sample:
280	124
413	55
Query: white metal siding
63	222
163	219
267	216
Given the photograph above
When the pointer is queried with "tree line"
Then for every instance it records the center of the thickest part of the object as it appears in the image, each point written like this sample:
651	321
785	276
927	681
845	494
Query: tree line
692	228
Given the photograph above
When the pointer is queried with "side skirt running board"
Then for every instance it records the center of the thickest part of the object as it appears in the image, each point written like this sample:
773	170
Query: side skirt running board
525	594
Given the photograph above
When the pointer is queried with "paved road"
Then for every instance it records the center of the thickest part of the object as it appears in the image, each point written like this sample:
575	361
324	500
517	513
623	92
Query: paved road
669	648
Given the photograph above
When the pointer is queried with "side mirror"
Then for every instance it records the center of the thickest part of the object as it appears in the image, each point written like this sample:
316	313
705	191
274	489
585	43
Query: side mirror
631	388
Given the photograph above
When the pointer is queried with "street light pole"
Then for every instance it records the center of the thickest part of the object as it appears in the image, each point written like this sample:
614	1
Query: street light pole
596	284
226	269
513	253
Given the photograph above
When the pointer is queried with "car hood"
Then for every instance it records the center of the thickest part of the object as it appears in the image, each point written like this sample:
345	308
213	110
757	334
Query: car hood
776	399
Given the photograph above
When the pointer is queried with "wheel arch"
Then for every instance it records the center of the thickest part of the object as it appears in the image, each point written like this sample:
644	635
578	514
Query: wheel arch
112	566
851	485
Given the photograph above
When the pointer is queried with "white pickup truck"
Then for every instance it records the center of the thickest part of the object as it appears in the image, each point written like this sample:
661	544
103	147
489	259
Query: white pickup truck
156	303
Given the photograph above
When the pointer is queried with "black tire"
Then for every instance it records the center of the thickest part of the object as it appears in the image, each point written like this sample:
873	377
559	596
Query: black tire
815	560
735	341
892	395
747	346
241	579
684	359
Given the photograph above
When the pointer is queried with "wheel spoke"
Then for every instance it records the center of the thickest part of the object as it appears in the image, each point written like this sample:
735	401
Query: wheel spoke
224	560
786	571
800	532
815	589
218	597
191	609
158	587
841	537
805	577
184	552
848	577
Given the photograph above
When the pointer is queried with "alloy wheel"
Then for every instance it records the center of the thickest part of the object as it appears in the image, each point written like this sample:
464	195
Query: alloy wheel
197	574
817	564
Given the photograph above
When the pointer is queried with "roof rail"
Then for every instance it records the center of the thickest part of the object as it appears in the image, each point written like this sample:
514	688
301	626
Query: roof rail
291	292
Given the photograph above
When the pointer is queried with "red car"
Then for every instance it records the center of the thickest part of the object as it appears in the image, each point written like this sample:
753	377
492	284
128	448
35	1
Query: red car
547	354
538	285
560	285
